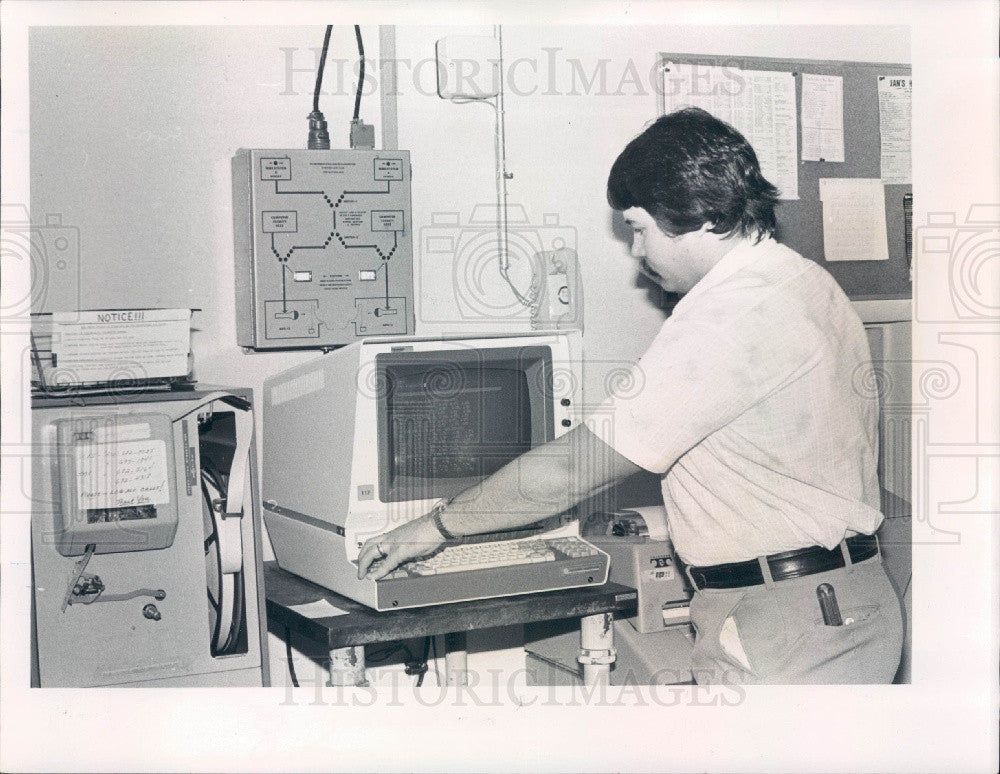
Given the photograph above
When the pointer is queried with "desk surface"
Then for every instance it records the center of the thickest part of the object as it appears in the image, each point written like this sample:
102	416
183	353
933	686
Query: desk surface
361	625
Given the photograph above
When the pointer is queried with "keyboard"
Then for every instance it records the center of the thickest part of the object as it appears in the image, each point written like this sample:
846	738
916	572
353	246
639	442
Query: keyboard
477	556
492	569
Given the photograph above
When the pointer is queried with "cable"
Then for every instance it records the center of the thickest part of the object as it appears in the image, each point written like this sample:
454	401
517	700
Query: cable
500	162
288	655
434	648
322	65
362	134
216	594
213	479
319	137
381	654
236	627
427	648
361	71
81	565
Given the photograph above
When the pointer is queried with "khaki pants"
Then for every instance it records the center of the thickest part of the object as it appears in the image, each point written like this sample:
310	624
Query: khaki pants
774	633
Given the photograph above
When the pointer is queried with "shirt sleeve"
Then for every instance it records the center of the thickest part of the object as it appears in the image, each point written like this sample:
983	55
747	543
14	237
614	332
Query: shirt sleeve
701	372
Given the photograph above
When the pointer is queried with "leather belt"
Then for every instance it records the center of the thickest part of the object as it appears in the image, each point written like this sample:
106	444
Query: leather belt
784	566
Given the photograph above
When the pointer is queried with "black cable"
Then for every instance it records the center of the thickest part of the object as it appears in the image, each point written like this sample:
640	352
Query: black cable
427	650
382	654
288	655
213	478
236	627
434	647
361	72
322	64
216	478
212	541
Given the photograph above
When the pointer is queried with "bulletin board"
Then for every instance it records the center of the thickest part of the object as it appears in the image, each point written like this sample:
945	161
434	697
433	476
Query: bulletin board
800	221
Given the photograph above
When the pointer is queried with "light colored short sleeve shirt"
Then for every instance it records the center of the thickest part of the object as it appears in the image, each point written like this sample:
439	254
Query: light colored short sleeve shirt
751	404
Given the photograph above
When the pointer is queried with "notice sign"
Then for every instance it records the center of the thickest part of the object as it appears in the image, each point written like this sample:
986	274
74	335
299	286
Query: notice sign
123	345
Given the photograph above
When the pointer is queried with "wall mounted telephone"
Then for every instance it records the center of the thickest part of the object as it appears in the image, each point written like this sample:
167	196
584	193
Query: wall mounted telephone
559	304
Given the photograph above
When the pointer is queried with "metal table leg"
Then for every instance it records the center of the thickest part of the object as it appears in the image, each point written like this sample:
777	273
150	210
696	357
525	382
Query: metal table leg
347	666
597	648
456	666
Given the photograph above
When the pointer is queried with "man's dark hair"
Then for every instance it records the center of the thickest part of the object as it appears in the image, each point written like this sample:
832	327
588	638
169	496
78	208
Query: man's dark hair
689	168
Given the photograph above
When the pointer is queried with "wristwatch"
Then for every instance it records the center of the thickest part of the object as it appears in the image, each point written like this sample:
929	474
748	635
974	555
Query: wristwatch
435	515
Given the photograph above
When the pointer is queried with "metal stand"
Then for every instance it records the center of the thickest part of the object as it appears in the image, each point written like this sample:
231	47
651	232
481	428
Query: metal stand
456	666
347	667
597	648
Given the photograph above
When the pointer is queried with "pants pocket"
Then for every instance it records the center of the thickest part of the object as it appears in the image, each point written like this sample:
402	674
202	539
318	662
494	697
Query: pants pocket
732	644
861	650
715	658
858	617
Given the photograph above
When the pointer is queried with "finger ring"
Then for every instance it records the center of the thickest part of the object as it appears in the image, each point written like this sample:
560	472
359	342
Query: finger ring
381	554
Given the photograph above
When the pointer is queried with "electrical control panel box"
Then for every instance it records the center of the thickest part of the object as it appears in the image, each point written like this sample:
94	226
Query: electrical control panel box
323	247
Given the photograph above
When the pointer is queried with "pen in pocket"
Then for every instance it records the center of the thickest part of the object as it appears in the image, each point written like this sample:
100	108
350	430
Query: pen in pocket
828	605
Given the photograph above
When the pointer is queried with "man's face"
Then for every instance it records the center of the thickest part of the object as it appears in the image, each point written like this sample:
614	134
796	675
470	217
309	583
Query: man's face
675	263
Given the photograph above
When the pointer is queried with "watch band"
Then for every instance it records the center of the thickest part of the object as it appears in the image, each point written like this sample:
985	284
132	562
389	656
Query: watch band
435	514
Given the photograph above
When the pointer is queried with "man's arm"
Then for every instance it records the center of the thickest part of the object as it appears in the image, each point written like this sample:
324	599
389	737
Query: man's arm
543	482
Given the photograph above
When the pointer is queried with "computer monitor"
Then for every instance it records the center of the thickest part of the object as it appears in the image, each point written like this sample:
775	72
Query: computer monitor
364	438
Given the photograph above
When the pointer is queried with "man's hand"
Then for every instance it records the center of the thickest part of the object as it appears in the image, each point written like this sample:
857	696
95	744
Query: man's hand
382	554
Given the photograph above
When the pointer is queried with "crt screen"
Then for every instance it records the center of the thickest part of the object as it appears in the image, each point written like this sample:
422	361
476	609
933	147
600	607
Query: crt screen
451	423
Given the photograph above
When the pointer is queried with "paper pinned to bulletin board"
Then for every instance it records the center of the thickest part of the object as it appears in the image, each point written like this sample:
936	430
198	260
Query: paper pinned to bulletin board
894	106
822	117
853	219
706	79
760	104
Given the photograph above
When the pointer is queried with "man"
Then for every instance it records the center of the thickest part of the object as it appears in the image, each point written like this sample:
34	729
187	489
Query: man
767	452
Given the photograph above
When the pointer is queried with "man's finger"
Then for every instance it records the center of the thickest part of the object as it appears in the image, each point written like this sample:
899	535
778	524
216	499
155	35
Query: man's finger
382	568
369	553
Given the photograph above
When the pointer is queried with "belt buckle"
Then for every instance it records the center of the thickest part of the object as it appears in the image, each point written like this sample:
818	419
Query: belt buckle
690	577
878	546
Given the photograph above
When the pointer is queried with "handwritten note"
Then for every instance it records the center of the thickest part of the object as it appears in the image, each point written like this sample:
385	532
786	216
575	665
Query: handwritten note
121	475
127	344
760	104
854	219
822	117
894	98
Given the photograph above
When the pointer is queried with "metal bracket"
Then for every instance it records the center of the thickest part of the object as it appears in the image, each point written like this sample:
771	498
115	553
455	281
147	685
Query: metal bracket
598	657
